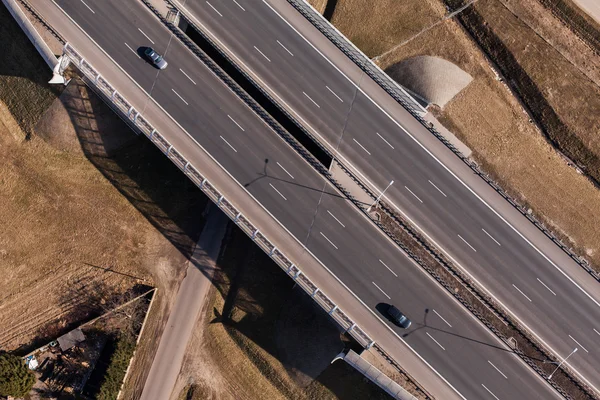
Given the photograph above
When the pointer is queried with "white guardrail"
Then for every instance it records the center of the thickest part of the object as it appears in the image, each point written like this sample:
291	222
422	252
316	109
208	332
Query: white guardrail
118	102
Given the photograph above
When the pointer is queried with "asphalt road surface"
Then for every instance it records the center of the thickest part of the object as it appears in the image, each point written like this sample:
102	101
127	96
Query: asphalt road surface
443	332
592	7
499	248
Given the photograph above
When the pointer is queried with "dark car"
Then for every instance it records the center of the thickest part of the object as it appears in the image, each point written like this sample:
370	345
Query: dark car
398	318
155	58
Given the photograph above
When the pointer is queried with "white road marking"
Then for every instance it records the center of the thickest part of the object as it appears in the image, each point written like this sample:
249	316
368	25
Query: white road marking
187	76
436	342
285	48
147	37
262	54
133	51
286	171
596	331
243	9
89	8
334	217
217	11
330	242
439	190
389	269
333	93
186	103
467	243
489	391
314	102
384	293
411	192
235	122
228	144
361	146
496	368
520	291
275	189
551	291
442	318
491	237
578	344
382	138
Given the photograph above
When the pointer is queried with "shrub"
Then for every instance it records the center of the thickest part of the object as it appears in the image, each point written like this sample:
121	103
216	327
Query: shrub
111	384
15	378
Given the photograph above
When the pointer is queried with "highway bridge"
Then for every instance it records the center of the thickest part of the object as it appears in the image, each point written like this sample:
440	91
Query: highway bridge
308	219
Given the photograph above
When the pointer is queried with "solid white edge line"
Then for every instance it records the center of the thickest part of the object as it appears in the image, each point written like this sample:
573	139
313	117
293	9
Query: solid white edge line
361	146
439	190
187	76
389	269
285	48
520	291
133	51
285	170
551	291
278	192
334	217
262	54
235	122
147	37
436	342
442	318
326	238
578	344
491	237
411	192
239	5
489	391
596	331
381	290
314	102
90	8
496	368
373	314
217	11
333	93
228	144
467	243
178	95
386	142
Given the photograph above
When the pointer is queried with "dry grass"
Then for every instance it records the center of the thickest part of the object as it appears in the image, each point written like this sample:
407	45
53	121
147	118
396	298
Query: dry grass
319	5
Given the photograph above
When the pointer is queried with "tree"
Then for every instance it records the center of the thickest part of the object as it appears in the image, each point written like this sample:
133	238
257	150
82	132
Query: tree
15	379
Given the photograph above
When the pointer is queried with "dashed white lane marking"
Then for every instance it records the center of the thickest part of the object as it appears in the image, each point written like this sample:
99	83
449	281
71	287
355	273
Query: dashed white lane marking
89	8
187	76
330	242
262	54
133	51
147	37
439	190
520	291
491	237
238	4
389	269
442	318
235	122
490	392
333	93
411	192
386	142
278	192
384	293
578	344
228	144
285	170
361	146
596	331
182	99
314	102
496	368
551	291
467	243
217	11
334	217
285	48
436	342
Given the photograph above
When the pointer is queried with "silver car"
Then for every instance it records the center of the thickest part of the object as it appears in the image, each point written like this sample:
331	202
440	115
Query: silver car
156	59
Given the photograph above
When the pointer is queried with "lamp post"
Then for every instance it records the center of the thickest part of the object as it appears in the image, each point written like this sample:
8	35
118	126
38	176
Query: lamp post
379	197
561	363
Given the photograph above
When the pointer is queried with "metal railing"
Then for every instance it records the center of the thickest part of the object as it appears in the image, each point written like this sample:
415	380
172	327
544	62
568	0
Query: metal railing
141	124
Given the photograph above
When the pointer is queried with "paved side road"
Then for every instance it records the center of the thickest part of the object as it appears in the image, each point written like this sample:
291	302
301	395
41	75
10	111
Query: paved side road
592	7
192	294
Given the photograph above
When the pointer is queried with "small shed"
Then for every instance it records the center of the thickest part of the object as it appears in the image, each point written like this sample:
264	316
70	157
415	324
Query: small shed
71	339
